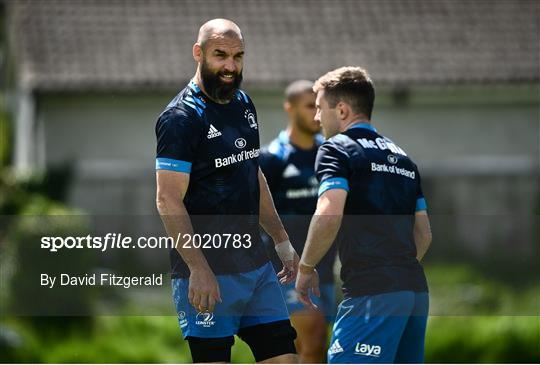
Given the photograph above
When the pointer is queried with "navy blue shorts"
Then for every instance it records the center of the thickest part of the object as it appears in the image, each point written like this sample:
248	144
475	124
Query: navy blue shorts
383	328
249	299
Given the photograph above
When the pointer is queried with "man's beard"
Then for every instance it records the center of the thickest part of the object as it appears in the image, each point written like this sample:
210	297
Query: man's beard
304	126
217	89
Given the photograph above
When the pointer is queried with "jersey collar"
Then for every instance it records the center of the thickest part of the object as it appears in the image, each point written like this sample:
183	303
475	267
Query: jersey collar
193	86
363	126
283	137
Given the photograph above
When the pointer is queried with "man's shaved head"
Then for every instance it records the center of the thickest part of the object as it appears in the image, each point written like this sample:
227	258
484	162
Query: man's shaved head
218	28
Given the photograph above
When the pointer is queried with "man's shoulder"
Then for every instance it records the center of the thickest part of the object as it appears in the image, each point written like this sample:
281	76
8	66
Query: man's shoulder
243	96
338	142
370	140
278	149
242	100
186	103
180	115
189	100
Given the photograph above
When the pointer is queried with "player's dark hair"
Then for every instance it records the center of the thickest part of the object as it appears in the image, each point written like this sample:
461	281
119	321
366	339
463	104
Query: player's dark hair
297	88
351	85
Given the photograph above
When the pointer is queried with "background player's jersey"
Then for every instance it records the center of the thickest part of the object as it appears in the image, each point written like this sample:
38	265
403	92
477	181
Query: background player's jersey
290	172
376	241
218	145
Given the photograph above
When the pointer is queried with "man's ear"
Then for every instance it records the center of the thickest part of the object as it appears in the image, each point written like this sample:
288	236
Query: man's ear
197	52
287	106
343	110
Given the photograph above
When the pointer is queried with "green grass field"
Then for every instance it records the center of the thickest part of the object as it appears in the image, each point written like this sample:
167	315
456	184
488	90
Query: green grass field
483	339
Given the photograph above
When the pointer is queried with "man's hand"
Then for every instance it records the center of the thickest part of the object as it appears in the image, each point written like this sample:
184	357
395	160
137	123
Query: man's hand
290	259
203	289
307	279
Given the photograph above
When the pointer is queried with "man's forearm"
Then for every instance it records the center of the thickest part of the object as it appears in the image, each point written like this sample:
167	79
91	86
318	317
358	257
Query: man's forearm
322	232
268	217
422	242
422	234
177	222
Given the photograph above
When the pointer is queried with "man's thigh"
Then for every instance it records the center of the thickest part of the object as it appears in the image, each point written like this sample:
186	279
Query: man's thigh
265	325
224	321
411	346
368	329
266	303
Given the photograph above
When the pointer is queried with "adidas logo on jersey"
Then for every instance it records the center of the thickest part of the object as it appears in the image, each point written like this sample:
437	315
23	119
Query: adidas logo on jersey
335	348
213	132
291	171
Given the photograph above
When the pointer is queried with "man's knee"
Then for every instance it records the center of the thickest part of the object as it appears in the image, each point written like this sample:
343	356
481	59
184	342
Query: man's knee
269	340
312	337
210	349
312	330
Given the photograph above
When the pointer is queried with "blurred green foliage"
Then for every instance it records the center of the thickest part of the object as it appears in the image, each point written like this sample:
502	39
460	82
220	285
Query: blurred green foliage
35	193
27	213
152	339
470	339
466	290
484	339
5	139
28	261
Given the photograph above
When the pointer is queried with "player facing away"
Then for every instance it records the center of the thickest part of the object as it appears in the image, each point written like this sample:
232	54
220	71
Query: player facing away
209	184
288	163
370	192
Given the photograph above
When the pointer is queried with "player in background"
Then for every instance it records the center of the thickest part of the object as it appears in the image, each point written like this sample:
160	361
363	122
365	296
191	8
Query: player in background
209	183
370	192
288	163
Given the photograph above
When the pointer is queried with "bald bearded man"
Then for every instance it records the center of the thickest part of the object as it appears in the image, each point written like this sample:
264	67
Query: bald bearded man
211	192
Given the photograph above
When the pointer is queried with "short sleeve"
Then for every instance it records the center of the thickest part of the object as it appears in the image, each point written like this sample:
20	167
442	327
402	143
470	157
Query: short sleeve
420	199
271	168
178	135
332	168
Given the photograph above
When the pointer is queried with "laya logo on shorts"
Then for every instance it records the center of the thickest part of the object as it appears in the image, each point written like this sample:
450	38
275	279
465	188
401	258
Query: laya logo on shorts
205	319
251	119
367	350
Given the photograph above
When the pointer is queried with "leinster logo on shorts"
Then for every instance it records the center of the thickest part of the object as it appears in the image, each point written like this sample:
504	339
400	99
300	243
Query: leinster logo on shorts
205	319
240	143
392	159
251	119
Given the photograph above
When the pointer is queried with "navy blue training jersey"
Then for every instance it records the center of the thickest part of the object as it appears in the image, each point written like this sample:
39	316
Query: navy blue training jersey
376	240
218	145
290	172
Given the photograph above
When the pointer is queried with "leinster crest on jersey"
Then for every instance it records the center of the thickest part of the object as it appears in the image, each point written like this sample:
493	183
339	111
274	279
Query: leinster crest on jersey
248	114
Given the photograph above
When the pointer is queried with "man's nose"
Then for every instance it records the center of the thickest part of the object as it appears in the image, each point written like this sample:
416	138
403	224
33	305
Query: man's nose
230	66
317	117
